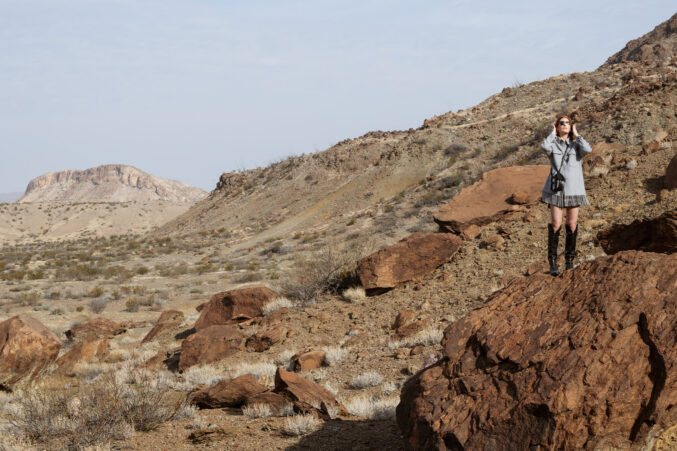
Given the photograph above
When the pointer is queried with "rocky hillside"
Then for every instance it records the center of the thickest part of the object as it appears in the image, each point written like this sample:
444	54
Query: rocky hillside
107	183
627	100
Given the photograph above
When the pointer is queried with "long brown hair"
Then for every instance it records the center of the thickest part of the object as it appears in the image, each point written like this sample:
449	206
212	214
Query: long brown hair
571	126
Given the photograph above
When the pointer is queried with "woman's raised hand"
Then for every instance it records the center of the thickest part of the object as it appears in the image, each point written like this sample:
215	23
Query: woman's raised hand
554	130
576	135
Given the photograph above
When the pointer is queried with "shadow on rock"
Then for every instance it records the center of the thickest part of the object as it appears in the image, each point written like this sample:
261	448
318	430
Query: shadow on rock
353	435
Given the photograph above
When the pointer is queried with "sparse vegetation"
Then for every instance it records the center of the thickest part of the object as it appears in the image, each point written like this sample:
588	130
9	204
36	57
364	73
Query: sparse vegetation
300	424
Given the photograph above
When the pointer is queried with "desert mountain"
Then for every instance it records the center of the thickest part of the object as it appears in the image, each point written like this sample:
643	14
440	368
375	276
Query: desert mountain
107	183
628	100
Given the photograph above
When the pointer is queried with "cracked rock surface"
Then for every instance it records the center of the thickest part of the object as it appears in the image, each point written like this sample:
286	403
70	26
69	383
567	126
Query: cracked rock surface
581	361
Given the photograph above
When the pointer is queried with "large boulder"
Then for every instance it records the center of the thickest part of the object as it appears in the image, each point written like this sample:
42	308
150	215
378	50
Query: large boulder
93	351
651	235
232	306
95	329
587	360
307	396
227	393
408	259
27	348
166	323
265	338
491	198
209	345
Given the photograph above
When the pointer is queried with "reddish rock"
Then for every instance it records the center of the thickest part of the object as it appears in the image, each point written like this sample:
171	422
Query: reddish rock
651	235
488	199
471	232
27	348
234	306
402	353
308	360
408	259
94	329
411	329
209	345
670	180
494	242
306	395
403	318
231	393
264	339
587	360
520	197
86	352
168	320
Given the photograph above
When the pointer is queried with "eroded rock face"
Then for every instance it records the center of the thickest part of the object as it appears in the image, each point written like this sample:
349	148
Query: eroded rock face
306	395
582	361
27	348
232	306
491	198
265	338
651	235
86	352
209	345
168	320
230	393
95	329
408	259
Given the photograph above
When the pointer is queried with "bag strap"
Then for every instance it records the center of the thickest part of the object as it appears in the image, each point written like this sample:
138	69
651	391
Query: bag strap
561	163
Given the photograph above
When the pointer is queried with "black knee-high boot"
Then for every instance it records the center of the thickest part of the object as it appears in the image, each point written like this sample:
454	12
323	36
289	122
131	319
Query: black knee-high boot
570	247
553	241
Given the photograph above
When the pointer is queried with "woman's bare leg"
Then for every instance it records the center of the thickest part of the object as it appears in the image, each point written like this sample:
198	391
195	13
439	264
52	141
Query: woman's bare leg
556	216
572	217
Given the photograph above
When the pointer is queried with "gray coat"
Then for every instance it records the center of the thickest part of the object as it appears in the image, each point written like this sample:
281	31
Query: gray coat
568	154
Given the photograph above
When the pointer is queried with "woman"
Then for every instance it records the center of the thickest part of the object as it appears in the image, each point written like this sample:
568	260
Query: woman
564	188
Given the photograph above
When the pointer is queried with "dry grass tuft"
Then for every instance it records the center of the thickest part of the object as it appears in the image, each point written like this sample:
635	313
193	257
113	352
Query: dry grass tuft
365	380
377	408
276	304
334	354
265	410
354	294
300	424
427	337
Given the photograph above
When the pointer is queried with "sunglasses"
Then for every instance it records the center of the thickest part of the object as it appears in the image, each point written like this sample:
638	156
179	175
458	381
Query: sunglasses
563	122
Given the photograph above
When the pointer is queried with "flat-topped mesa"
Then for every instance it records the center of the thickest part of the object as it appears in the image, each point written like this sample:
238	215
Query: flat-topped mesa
108	183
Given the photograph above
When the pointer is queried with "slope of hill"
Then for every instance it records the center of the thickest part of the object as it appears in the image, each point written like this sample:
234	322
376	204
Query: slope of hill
107	183
620	102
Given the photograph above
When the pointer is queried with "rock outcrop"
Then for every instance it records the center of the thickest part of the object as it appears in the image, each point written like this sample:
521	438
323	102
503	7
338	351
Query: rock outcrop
670	179
492	197
233	306
108	183
94	329
168	321
83	352
307	396
408	259
650	235
27	348
228	393
209	345
587	360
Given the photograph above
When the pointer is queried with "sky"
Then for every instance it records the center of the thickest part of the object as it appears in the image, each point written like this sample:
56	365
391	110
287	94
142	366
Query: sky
187	90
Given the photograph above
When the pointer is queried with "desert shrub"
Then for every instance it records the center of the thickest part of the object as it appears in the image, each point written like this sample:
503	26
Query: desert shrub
265	410
354	294
96	292
78	272
205	267
364	380
249	277
377	408
325	270
28	297
93	413
276	304
454	149
141	270
97	305
300	424
79	308
132	304
334	354
427	337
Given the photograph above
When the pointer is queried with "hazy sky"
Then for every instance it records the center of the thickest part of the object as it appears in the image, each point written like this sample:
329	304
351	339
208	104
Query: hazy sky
187	90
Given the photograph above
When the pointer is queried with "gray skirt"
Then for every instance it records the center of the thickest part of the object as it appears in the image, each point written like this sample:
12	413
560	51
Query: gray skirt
565	201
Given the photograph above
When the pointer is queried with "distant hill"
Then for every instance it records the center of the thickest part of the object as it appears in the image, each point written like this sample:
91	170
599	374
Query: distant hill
9	197
108	183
